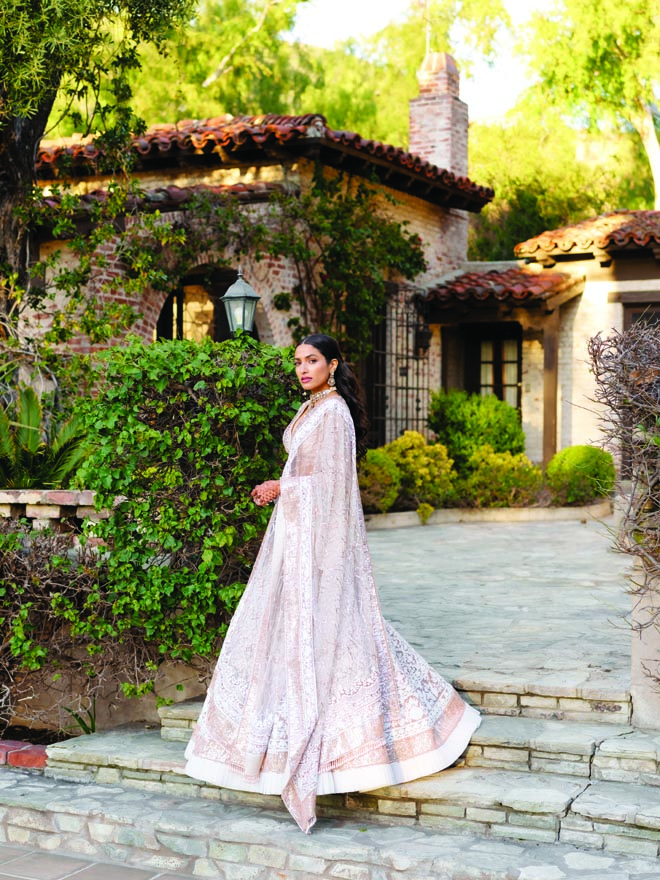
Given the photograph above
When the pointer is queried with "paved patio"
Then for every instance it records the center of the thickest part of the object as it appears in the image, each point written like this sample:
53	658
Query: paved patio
510	602
21	863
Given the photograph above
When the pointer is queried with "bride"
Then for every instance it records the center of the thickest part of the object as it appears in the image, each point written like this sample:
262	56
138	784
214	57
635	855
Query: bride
314	692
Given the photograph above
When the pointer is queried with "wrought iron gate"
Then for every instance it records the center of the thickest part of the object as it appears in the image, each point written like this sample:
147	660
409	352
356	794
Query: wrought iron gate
396	375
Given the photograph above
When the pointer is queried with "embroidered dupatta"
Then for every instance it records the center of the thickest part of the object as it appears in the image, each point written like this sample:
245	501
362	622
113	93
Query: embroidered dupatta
314	692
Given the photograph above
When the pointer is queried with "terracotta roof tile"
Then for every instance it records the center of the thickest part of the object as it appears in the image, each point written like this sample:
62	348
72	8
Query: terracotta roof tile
619	229
231	135
519	284
172	197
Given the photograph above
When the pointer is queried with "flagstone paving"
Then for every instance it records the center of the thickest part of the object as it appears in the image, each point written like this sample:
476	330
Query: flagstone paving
169	837
511	604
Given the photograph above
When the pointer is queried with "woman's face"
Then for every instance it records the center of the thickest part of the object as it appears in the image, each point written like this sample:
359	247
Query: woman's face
312	368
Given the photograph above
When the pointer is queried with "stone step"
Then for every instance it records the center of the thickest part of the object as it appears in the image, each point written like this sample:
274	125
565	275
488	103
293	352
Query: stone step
207	838
546	697
518	802
547	702
590	751
594	751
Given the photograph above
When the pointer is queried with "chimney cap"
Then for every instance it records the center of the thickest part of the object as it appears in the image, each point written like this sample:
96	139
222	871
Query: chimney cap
438	73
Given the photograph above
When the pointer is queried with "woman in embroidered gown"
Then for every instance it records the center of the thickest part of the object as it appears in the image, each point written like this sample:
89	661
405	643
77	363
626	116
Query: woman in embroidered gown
314	692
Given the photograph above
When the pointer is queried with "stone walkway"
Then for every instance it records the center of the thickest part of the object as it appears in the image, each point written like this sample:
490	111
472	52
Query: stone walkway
505	604
510	602
22	863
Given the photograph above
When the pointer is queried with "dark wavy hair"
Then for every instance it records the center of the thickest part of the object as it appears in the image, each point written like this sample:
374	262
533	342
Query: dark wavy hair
347	385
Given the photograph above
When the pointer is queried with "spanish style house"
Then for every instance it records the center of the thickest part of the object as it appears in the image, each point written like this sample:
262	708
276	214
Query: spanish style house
520	329
250	157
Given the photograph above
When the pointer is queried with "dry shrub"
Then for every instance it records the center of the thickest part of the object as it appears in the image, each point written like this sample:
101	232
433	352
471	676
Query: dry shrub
626	367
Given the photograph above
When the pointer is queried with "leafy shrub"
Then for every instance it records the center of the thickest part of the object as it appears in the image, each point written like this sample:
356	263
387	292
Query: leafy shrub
426	474
464	422
42	573
424	512
36	452
500	479
379	480
578	474
181	433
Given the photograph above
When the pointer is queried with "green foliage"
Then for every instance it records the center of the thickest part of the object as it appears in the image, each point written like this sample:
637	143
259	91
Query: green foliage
548	174
182	432
424	512
235	58
426	474
53	592
378	75
343	245
379	479
598	59
84	51
579	474
85	719
500	479
464	422
77	46
37	452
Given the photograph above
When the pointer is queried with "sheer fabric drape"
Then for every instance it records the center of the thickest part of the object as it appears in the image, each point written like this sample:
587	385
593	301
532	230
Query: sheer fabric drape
314	692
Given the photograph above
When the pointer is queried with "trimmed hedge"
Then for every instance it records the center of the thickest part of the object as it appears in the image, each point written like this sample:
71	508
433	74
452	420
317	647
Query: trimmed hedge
426	471
579	474
464	423
379	479
500	479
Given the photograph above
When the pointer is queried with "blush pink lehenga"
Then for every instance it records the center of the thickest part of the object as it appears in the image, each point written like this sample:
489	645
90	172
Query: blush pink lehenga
314	691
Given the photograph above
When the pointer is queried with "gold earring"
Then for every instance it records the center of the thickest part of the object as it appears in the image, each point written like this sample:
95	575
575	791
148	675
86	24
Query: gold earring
331	379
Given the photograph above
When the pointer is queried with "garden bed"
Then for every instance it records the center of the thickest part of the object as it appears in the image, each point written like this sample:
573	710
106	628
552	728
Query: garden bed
407	519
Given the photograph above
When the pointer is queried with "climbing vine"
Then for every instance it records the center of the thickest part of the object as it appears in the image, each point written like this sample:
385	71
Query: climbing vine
338	235
344	247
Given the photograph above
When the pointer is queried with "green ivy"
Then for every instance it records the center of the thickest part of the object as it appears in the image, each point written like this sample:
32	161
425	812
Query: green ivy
181	433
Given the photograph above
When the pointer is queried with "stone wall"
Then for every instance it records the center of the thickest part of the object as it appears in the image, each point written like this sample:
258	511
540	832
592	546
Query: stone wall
59	509
64	511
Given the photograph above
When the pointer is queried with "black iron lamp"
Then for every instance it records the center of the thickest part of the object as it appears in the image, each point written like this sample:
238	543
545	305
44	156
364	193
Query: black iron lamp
240	303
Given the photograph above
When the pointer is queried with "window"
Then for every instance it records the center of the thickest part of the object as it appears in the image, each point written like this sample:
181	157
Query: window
194	311
493	363
642	313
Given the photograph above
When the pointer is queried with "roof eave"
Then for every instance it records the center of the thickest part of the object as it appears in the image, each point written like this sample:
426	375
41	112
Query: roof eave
271	151
545	302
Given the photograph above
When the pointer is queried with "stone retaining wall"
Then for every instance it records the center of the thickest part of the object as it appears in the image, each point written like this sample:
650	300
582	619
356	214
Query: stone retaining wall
58	509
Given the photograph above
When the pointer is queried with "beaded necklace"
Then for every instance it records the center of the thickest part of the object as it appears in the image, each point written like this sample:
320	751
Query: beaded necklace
319	395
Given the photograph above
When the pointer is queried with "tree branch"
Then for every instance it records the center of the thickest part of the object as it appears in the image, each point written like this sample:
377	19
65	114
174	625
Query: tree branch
226	63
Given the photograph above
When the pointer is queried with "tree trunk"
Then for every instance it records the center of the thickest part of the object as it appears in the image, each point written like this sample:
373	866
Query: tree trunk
19	140
646	129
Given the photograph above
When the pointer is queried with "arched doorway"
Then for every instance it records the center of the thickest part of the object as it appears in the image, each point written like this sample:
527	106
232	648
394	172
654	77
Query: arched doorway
194	311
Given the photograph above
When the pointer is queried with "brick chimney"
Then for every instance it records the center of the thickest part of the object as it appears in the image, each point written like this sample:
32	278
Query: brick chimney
438	117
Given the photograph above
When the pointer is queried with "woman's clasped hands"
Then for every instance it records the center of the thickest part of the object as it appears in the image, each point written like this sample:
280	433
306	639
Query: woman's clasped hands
266	492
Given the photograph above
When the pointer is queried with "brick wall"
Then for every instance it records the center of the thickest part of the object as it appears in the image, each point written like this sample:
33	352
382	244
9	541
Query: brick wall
438	117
